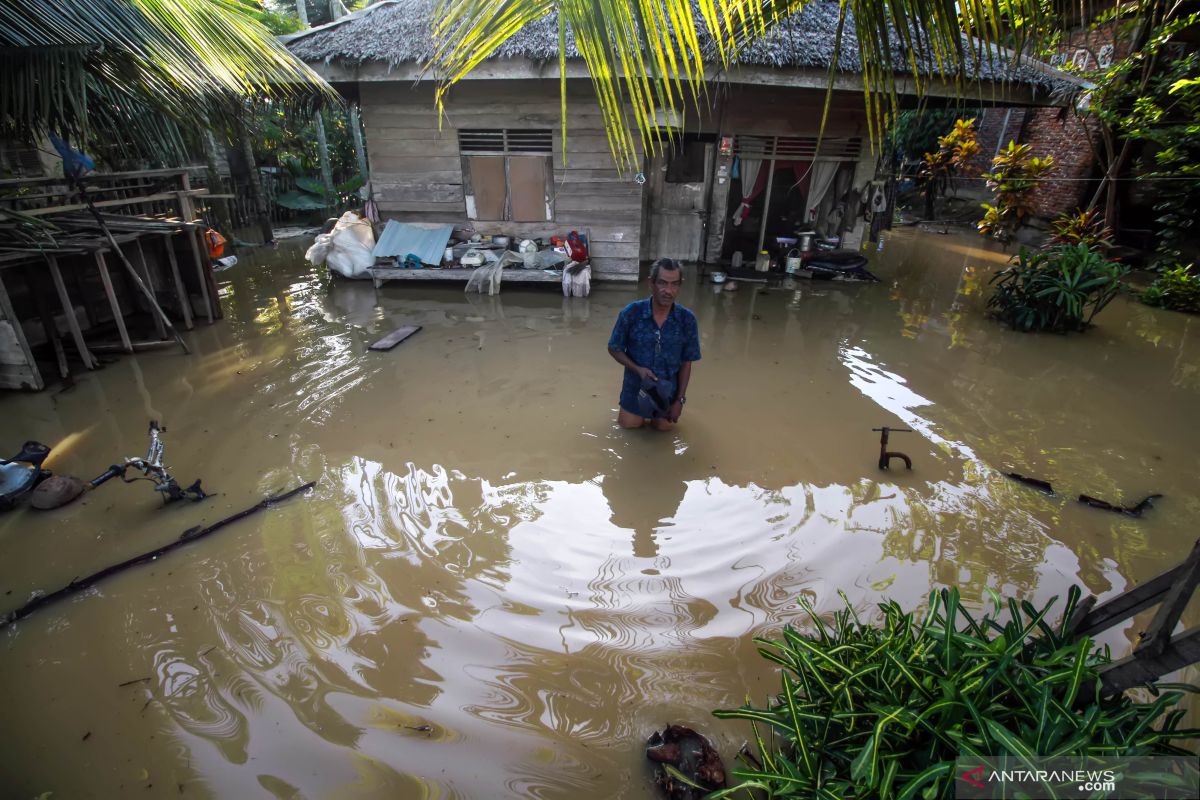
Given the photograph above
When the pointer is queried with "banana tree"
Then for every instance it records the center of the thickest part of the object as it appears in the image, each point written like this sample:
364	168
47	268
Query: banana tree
646	57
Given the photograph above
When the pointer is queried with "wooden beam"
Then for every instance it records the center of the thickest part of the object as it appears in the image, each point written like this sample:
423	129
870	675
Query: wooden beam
100	177
185	302
130	201
1138	670
118	317
1158	635
49	326
159	327
68	307
1128	603
18	376
187	213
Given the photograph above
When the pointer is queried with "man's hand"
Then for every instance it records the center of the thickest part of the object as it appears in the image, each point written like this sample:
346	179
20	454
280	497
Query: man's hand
646	374
674	412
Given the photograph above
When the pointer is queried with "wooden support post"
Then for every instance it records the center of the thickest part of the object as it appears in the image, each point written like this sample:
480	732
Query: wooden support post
49	327
159	327
68	308
1125	605
1158	635
762	226
185	302
187	213
1139	670
118	318
16	375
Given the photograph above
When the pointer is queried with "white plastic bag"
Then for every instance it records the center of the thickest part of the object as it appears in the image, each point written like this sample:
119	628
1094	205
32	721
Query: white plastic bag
320	249
577	279
352	241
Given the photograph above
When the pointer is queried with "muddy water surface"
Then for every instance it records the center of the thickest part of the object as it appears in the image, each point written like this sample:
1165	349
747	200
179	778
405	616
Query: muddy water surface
493	591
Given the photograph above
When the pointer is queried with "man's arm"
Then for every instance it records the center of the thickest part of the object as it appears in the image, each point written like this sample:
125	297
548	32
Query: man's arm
685	375
622	358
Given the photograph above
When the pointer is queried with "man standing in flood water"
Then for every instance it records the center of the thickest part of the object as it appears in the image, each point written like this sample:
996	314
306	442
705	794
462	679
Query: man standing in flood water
656	341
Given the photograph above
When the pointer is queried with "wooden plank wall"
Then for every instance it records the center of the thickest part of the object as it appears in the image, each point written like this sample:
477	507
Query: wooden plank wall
416	170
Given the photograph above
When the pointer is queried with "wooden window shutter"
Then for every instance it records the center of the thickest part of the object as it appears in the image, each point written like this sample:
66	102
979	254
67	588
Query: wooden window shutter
527	188
485	189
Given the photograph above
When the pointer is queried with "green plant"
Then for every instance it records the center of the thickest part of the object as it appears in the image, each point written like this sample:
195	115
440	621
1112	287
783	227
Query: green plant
882	711
1177	288
647	59
1082	227
1014	176
954	150
310	193
1058	289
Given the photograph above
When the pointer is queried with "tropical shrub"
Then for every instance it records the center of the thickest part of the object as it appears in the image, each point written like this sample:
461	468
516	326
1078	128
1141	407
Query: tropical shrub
1177	288
310	194
1015	174
1059	289
882	711
1082	227
938	167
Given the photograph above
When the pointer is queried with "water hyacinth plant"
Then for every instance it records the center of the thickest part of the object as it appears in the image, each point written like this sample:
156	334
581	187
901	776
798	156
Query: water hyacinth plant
883	710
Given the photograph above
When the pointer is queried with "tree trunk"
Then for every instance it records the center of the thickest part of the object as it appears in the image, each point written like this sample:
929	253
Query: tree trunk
302	12
257	196
220	205
323	151
360	151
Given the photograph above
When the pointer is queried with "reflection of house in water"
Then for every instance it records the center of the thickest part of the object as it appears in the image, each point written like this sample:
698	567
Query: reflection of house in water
747	170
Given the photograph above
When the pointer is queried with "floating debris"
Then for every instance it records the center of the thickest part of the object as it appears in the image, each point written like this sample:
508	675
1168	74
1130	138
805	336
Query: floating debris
1036	483
1134	510
688	766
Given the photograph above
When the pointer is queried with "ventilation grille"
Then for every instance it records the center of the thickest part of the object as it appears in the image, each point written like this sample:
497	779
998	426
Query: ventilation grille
506	141
798	147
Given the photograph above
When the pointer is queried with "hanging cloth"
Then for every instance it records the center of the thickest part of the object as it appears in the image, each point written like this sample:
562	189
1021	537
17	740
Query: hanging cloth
754	177
823	173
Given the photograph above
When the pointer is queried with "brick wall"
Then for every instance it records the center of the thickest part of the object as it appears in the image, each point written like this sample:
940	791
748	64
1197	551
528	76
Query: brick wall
1057	132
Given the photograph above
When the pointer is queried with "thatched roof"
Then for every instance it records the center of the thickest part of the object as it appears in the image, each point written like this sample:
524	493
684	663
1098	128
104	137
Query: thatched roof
396	32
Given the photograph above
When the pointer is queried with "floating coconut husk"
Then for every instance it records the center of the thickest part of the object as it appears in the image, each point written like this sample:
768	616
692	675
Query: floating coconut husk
688	767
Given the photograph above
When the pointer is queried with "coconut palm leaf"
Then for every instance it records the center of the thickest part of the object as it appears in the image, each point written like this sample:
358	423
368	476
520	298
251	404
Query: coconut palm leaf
650	57
192	60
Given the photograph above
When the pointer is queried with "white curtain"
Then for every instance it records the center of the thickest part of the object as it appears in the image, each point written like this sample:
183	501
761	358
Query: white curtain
823	173
749	171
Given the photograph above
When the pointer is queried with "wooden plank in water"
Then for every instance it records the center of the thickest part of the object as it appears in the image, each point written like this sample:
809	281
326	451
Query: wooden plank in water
395	337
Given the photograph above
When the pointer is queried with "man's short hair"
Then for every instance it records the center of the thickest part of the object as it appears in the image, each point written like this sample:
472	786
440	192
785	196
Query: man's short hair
669	264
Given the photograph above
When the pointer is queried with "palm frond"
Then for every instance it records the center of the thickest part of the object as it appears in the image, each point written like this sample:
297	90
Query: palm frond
647	58
192	60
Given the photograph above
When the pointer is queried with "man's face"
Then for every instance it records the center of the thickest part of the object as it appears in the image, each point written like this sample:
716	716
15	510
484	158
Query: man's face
666	286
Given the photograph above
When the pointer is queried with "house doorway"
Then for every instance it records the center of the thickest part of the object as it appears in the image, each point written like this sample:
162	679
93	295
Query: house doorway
781	187
676	198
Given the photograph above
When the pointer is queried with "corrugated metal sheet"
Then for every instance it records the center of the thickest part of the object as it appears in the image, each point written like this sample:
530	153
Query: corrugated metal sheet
426	240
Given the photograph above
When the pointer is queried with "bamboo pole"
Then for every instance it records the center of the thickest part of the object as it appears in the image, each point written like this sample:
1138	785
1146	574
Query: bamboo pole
190	535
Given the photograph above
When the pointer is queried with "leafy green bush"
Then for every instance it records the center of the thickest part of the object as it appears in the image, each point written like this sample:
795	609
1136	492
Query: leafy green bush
883	711
1082	227
1013	179
1059	289
1177	288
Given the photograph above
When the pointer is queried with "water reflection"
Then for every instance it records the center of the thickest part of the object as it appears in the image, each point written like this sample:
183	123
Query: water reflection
495	592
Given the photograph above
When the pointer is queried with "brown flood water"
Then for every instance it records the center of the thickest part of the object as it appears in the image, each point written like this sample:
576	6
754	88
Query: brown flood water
487	555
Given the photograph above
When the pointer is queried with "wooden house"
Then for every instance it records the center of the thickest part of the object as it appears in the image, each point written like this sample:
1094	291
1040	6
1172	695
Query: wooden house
744	170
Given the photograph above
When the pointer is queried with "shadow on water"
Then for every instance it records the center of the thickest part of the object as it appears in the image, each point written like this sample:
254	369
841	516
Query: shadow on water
493	591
